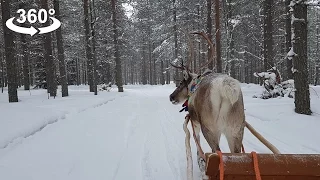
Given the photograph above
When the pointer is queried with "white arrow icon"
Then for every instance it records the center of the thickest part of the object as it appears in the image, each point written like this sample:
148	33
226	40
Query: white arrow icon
55	25
31	30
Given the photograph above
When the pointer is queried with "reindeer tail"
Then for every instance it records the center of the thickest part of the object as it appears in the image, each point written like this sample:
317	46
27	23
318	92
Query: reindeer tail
231	90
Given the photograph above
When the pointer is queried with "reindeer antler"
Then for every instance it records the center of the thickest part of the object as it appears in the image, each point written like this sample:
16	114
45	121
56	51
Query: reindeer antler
211	48
182	67
191	50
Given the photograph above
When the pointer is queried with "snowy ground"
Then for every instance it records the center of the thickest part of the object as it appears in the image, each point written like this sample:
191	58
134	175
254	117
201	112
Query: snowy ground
132	135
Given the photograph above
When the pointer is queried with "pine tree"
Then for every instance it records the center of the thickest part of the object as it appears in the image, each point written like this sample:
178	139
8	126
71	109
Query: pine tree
116	47
89	53
48	56
288	38
9	53
300	63
61	56
218	36
267	35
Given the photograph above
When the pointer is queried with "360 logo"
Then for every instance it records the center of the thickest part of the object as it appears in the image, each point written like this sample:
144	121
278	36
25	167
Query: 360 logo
33	16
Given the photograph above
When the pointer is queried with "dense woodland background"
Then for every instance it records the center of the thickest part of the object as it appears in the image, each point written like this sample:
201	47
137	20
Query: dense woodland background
102	41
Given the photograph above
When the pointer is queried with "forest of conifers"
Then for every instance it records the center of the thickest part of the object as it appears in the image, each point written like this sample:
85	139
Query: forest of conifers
134	41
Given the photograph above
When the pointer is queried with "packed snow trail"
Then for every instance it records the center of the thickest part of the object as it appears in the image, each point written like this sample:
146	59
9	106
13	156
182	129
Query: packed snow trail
130	136
138	135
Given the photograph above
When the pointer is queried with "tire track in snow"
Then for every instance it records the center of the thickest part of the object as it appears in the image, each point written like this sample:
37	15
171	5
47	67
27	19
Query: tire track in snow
145	161
133	127
101	103
146	166
170	158
146	170
136	135
170	146
64	116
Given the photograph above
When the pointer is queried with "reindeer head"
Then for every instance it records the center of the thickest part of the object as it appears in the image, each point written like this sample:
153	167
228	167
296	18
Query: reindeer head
180	94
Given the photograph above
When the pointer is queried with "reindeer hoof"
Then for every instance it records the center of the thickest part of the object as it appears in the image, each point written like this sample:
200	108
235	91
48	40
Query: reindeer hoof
202	167
202	164
204	177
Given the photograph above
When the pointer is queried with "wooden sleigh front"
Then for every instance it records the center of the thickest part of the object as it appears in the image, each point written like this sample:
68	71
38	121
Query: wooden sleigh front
241	166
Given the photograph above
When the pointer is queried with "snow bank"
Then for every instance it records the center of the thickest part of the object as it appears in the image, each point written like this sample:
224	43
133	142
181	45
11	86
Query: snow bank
35	111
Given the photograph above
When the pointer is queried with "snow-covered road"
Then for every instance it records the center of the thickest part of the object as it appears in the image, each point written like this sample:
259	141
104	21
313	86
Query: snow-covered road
137	135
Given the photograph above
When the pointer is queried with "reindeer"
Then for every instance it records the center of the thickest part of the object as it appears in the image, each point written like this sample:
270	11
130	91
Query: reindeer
215	106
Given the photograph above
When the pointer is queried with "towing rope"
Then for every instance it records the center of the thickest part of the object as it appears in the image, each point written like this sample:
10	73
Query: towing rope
188	149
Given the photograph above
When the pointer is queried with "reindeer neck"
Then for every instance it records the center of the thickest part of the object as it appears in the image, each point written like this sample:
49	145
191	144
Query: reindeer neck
196	80
194	84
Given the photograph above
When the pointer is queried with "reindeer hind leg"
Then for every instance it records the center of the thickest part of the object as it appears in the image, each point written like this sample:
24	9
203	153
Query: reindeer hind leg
212	137
235	140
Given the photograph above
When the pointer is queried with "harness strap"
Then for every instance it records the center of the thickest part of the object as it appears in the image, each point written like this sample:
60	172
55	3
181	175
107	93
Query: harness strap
221	166
256	165
197	142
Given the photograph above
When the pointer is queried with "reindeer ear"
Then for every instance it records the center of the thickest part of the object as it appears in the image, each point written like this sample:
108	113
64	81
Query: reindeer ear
185	74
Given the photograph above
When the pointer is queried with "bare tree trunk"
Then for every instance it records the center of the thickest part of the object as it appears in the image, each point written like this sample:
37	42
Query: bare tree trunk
204	48
109	78
85	73
94	59
175	38
317	68
267	35
162	80
218	37
132	70
300	60
144	64
116	52
209	30
231	45
88	44
9	53
167	72
48	56
199	43
288	38
62	66
154	67
78	72
26	78
246	59
125	73
150	61
2	72
247	75
25	58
